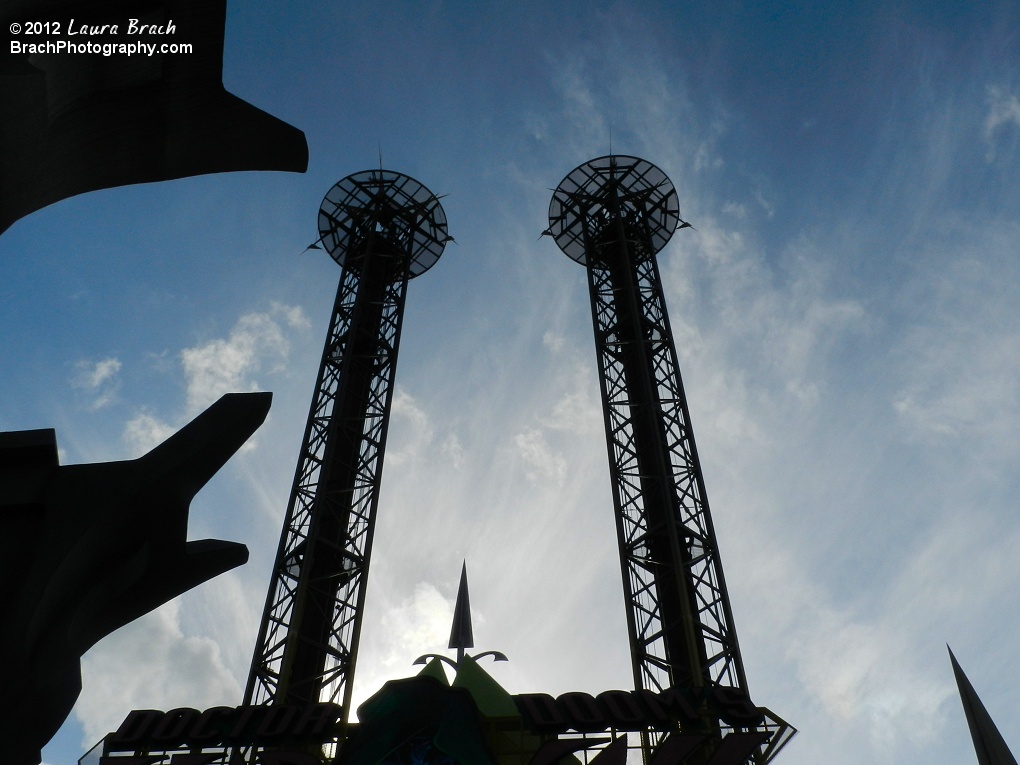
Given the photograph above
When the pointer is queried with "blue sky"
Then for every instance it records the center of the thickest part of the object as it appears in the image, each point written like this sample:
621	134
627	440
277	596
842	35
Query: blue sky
845	313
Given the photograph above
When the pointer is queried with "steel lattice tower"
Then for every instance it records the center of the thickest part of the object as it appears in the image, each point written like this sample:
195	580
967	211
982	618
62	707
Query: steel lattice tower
612	215
383	228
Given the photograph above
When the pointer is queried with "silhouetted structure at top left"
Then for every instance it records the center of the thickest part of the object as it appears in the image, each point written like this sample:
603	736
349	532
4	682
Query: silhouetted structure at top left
77	122
85	549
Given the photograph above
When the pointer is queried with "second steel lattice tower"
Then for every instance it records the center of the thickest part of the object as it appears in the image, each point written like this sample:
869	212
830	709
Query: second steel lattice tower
613	215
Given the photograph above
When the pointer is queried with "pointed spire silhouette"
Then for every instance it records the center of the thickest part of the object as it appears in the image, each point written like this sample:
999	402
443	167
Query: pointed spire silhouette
989	745
461	636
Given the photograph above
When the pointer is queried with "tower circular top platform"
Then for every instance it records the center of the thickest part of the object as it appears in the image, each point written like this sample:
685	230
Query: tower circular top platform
388	204
601	191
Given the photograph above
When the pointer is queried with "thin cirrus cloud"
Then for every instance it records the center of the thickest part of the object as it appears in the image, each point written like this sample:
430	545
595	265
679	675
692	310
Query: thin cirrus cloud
98	380
1003	116
258	344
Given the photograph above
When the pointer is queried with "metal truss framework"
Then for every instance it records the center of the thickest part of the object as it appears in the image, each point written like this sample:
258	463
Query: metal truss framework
383	228
612	215
667	543
759	746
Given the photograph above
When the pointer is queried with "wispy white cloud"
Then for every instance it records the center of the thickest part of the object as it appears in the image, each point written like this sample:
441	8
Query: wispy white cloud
417	432
92	375
453	451
870	665
735	209
541	461
148	664
144	432
866	675
417	625
971	387
707	158
959	361
258	343
778	324
1003	112
766	204
228	365
99	379
576	410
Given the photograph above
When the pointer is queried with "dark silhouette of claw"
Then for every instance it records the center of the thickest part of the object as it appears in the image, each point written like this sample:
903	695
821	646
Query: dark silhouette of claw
85	549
